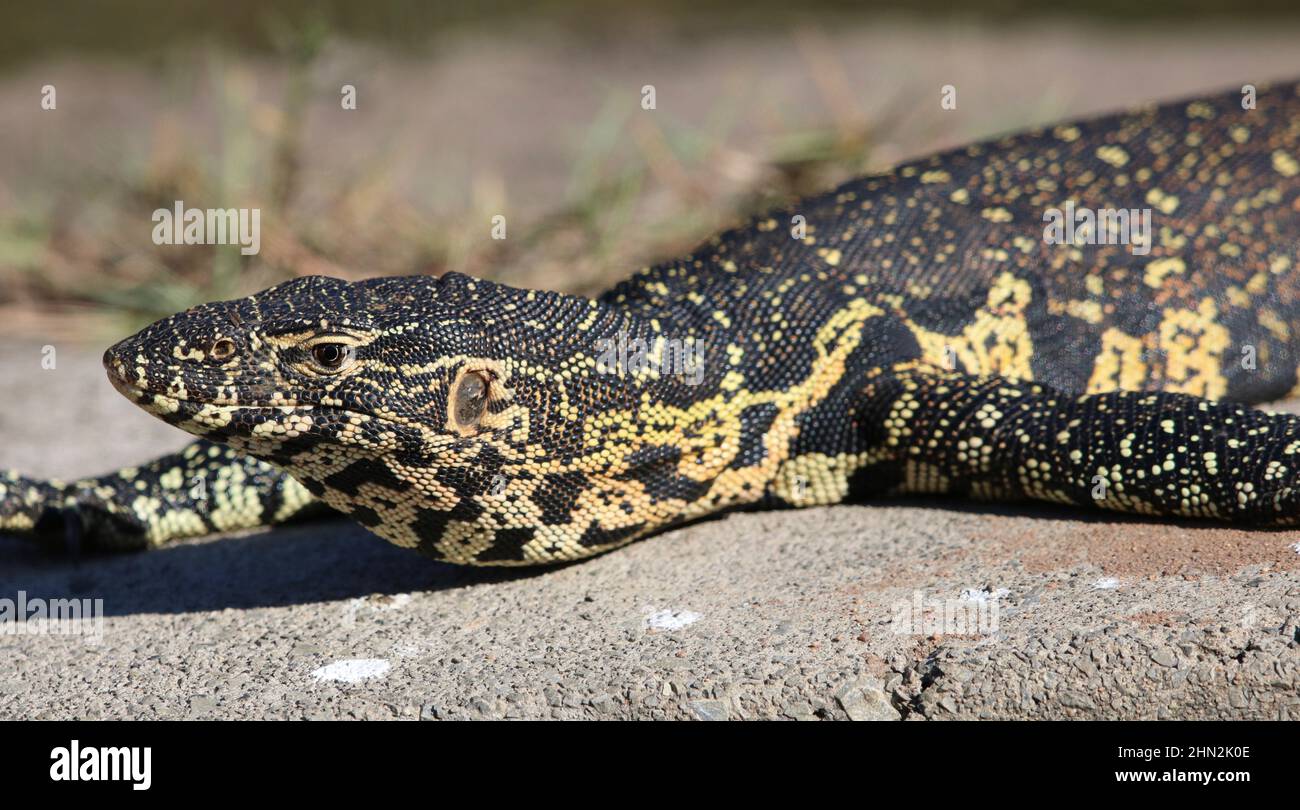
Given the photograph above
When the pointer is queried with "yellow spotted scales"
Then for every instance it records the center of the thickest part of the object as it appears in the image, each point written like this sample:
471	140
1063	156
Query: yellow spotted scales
919	331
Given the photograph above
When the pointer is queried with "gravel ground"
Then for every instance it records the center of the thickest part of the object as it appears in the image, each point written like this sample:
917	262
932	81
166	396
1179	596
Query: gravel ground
799	615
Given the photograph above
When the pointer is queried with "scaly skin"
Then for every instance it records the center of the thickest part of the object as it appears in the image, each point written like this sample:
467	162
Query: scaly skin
920	336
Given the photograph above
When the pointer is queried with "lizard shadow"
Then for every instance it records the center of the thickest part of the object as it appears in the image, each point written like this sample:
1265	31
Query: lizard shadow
325	560
311	561
1047	511
1032	509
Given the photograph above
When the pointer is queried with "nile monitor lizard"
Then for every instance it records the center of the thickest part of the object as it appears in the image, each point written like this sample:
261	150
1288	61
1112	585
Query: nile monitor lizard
910	332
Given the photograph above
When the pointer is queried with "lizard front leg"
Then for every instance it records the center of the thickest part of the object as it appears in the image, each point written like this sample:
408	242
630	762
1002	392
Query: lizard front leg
1138	452
201	489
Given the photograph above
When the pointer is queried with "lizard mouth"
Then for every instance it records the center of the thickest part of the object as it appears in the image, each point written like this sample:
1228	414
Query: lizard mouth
244	422
185	411
136	393
156	400
197	416
165	406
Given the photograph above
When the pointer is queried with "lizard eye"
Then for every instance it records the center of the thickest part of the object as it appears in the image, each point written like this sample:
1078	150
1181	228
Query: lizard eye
470	398
332	356
222	349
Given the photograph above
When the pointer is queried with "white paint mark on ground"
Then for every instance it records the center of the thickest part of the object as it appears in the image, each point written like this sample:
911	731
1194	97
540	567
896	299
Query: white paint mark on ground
671	619
983	594
375	603
1295	547
352	670
380	602
1106	584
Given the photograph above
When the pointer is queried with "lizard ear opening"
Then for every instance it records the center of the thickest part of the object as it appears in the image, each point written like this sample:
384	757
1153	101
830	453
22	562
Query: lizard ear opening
469	400
222	349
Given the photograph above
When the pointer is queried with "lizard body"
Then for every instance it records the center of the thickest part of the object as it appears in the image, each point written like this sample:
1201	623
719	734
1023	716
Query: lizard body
914	331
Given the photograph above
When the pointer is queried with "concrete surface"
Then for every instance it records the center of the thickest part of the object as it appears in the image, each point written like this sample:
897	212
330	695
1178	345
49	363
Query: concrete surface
797	615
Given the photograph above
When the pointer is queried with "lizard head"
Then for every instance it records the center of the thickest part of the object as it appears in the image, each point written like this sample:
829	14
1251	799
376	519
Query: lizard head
457	415
315	359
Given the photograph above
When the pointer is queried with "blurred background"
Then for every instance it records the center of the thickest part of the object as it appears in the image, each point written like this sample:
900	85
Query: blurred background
528	110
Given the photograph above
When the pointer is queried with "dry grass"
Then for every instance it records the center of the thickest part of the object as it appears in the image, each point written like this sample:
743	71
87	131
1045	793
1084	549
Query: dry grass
532	124
638	186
